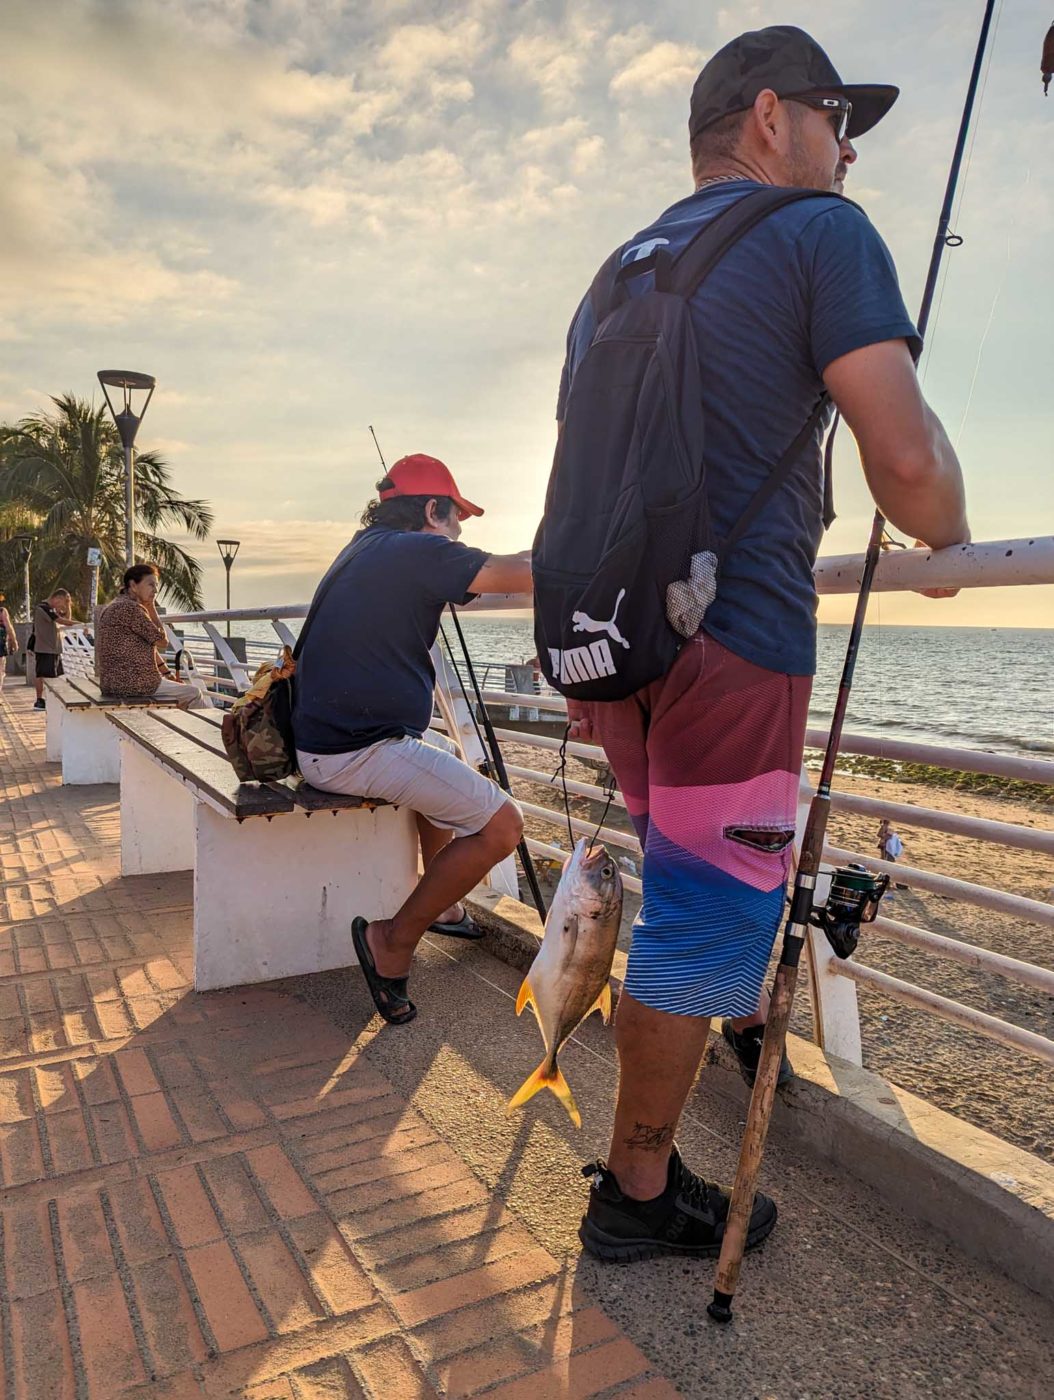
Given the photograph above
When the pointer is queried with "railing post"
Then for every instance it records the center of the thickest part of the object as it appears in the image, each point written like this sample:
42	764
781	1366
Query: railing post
835	1013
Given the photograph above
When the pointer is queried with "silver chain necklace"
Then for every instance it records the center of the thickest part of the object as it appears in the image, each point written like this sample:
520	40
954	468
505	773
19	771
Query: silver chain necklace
719	180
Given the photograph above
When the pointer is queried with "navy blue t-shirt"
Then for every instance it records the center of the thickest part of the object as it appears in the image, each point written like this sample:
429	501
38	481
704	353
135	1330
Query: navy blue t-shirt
809	284
364	673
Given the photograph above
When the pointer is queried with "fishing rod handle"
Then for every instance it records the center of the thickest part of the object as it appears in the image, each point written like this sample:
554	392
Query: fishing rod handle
810	854
737	1224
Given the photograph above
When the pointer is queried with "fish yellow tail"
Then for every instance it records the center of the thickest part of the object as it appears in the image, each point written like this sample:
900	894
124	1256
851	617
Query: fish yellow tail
553	1079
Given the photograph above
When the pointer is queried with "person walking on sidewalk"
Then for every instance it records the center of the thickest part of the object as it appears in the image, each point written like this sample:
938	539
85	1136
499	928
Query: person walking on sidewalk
8	641
364	693
128	646
45	642
708	756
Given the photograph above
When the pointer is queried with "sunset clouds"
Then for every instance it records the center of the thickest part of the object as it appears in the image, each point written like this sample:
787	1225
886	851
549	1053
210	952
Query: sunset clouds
305	217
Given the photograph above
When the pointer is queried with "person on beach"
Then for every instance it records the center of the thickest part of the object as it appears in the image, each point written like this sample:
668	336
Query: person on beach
49	618
129	643
708	756
890	847
8	641
364	691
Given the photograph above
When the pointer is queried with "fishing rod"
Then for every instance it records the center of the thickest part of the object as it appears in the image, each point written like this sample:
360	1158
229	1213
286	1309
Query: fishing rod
500	771
854	892
495	760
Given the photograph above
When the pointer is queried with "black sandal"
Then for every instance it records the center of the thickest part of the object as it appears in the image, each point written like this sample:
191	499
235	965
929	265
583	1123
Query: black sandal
389	993
465	927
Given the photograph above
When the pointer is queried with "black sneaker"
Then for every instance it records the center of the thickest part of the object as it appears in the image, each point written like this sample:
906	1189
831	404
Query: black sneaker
688	1218
39	705
747	1046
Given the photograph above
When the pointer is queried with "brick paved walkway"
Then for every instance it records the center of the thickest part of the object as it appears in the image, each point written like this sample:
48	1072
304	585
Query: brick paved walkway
217	1195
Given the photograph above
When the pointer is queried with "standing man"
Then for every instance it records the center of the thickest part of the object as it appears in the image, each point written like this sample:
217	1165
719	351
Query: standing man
129	643
708	756
364	693
49	618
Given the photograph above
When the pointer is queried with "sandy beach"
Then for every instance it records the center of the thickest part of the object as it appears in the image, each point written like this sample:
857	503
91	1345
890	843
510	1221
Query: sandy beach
964	1073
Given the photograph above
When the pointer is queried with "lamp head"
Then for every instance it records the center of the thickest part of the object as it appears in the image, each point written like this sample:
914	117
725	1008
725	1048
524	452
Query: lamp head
228	549
128	384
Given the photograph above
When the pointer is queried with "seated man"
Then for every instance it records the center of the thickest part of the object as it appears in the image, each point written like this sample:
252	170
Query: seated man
364	694
128	642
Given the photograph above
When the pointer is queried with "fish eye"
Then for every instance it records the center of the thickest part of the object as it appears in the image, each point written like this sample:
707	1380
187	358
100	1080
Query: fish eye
607	871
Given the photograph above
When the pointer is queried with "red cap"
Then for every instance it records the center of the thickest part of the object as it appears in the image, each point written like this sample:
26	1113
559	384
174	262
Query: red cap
421	475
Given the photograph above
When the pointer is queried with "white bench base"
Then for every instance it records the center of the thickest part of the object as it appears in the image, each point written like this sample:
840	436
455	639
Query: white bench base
53	713
89	746
272	897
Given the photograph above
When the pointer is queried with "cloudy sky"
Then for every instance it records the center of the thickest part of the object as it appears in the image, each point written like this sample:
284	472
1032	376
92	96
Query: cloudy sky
306	216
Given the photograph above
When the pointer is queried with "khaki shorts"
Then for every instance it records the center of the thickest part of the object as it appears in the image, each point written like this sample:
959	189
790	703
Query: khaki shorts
424	774
189	695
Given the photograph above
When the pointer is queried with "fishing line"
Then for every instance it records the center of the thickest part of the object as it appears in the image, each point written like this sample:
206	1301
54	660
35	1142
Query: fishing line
562	771
980	347
609	786
955	240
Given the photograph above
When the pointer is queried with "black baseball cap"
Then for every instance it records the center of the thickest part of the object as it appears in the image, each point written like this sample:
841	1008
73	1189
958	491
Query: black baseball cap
791	63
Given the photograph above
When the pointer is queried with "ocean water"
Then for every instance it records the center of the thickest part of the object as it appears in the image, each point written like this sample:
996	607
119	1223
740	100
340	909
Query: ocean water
971	687
984	688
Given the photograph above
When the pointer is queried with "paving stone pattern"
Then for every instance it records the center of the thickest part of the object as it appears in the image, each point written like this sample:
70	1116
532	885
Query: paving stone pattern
216	1195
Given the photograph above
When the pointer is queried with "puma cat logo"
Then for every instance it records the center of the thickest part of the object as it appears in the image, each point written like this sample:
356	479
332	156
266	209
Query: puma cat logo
582	622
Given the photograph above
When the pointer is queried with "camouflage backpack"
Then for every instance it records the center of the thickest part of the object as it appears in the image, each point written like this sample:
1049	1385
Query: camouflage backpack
258	728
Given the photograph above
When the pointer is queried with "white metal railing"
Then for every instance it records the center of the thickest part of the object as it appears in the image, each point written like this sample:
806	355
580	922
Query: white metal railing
78	652
832	1029
836	1015
1002	563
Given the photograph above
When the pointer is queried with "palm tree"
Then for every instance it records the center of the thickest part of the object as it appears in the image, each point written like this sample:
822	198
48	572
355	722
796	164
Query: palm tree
65	471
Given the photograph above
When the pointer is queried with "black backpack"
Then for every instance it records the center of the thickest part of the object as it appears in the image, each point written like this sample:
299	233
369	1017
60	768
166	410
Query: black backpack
625	560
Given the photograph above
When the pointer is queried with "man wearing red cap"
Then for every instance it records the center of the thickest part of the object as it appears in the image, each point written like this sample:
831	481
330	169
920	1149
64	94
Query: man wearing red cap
364	692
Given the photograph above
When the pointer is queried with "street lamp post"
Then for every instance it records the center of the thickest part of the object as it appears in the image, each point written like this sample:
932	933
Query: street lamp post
130	383
26	544
228	549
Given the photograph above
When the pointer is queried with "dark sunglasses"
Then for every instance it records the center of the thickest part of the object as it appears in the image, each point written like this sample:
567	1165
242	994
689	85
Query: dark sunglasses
839	109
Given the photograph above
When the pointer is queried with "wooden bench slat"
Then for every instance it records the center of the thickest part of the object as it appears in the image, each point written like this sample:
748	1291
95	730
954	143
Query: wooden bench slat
189	723
67	694
92	694
313	799
204	768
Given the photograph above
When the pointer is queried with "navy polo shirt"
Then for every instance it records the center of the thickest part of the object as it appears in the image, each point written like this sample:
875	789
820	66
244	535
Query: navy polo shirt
365	673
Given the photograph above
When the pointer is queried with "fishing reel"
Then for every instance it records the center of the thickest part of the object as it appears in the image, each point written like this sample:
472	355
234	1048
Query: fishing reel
852	900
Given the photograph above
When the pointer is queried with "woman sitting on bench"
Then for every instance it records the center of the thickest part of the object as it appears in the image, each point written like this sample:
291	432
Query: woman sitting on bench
128	642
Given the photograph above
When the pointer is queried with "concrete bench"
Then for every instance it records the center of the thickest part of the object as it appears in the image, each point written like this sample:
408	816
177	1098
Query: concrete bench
77	733
280	869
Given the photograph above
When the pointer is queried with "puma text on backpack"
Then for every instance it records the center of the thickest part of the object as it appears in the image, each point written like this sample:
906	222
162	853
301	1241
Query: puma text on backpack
625	560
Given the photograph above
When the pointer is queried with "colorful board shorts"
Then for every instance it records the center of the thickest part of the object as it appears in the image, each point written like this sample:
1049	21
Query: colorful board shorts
708	760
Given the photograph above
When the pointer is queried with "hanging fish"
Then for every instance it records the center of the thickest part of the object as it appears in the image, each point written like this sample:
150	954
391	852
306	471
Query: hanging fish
1047	62
569	976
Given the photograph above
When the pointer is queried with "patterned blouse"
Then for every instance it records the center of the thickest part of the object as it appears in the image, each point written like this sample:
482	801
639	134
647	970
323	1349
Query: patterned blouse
126	643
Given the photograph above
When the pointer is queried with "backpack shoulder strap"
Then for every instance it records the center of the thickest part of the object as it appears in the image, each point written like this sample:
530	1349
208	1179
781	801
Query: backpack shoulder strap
724	230
605	291
775	479
316	603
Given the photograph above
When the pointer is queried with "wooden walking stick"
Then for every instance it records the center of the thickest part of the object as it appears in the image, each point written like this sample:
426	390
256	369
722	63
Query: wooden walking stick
854	896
